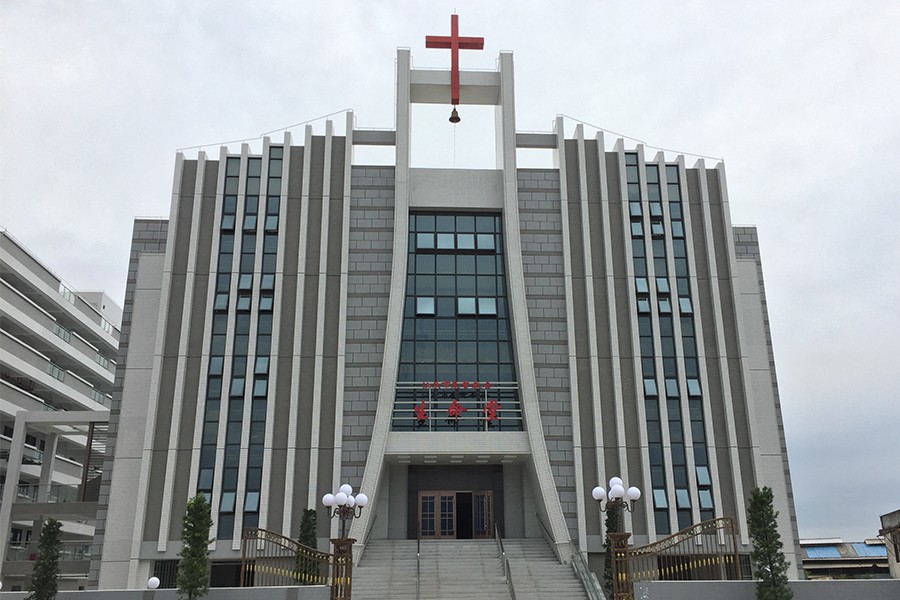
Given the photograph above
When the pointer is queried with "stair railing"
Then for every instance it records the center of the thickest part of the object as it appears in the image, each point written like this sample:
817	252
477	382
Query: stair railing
504	562
588	578
418	563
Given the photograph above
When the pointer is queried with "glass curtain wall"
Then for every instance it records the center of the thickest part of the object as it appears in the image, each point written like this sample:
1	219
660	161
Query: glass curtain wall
456	367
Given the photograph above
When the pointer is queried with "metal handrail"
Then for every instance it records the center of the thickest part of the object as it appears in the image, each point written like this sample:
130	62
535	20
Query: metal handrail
54	493
68	550
474	419
500	550
418	563
588	578
369	530
504	563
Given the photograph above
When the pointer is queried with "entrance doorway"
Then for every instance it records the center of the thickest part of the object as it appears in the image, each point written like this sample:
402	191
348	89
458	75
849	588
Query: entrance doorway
456	514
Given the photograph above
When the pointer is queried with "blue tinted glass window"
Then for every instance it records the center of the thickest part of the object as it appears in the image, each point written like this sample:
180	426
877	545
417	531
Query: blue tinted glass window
703	476
424	241
672	388
446	241
260	386
221	302
486	242
465	241
660	500
425	306
465	264
487	306
634	192
466	306
215	365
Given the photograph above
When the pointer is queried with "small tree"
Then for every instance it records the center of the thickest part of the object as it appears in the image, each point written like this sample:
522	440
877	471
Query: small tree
46	568
768	559
613	525
193	568
307	566
308	529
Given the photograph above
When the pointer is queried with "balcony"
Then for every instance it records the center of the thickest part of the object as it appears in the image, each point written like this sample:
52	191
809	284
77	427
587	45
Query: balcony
74	558
456	406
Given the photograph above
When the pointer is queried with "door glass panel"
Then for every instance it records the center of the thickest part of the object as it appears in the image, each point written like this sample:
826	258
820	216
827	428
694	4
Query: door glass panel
448	517
483	517
426	515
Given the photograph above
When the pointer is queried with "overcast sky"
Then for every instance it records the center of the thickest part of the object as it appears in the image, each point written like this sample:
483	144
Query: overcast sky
802	99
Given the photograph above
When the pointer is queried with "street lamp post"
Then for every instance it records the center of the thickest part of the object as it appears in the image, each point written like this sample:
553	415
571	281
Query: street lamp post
152	584
344	506
616	504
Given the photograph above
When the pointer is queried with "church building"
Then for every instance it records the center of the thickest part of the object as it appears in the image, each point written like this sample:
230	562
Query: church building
473	349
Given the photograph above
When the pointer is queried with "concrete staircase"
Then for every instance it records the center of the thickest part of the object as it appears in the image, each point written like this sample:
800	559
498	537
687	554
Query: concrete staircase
387	570
463	570
538	575
451	570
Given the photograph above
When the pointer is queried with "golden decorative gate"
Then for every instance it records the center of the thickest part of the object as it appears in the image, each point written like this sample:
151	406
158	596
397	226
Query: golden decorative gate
705	551
271	559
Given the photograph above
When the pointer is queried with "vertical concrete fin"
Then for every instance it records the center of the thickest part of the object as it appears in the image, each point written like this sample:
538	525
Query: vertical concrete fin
393	330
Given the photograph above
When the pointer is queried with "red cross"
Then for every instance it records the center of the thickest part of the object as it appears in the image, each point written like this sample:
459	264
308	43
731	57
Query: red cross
455	43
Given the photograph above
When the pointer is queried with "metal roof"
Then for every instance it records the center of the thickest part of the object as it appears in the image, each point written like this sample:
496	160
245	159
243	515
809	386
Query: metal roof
872	550
823	552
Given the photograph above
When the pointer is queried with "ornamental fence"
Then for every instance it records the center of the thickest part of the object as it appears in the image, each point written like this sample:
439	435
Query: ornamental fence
271	559
705	551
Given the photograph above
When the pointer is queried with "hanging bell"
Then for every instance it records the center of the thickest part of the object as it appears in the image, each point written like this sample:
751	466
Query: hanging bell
454	116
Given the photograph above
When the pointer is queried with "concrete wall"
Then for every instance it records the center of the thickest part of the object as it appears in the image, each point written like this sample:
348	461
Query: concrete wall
115	524
873	589
318	592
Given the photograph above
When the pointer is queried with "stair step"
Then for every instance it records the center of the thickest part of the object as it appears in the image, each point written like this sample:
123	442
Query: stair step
469	569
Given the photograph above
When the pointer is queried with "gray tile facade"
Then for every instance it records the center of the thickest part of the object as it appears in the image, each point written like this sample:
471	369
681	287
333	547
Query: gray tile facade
543	266
368	289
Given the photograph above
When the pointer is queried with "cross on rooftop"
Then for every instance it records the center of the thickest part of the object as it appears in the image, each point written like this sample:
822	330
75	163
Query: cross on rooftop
455	43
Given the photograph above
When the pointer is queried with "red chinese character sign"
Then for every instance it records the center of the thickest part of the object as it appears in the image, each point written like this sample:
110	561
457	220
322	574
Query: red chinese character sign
455	43
421	414
491	411
454	412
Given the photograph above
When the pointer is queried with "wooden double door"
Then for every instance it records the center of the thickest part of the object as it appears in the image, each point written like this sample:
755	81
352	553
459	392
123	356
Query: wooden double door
456	514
